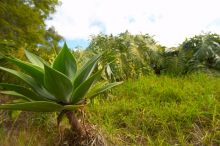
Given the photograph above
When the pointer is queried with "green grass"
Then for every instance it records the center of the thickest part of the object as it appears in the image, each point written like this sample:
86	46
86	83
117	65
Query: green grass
154	110
161	111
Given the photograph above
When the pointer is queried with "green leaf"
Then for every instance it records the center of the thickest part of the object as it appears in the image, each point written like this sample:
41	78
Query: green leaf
35	71
22	90
35	59
109	71
84	73
31	82
81	91
65	63
57	84
13	93
97	91
37	106
72	107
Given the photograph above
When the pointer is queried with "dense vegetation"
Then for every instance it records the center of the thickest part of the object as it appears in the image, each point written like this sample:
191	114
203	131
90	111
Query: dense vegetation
169	96
140	54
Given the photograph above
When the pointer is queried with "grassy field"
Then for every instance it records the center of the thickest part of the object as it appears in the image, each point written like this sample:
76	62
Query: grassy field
162	111
153	111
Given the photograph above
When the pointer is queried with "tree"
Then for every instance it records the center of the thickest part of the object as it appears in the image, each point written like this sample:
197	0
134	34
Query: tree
60	87
52	37
23	21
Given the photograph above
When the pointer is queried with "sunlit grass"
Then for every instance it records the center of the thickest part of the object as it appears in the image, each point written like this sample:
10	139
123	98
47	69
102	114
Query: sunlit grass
162	111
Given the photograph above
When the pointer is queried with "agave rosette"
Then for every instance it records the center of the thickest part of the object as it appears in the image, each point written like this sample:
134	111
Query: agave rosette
56	87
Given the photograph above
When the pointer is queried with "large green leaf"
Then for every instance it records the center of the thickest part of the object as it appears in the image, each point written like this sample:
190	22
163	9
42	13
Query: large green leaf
35	71
35	59
84	73
81	90
57	84
26	78
97	91
37	106
16	94
31	82
22	90
65	63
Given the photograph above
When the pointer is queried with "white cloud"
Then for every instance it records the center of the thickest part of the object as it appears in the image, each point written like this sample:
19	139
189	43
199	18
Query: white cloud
170	21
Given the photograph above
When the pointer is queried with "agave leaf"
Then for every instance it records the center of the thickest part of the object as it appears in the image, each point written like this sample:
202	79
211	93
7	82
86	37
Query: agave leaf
81	90
16	94
31	82
97	91
36	106
22	90
57	84
84	73
109	71
35	71
35	59
65	63
72	107
97	86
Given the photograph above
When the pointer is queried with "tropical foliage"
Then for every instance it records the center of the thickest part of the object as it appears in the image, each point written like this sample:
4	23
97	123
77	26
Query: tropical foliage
199	53
202	52
129	55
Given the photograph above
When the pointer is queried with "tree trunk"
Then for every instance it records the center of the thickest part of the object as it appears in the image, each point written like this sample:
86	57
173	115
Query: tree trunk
75	125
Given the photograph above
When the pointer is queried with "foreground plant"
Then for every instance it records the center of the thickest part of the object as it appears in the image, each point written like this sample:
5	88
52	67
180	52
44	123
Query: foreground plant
60	87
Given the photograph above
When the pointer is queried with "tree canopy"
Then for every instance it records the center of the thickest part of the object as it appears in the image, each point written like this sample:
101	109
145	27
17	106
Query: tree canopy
23	21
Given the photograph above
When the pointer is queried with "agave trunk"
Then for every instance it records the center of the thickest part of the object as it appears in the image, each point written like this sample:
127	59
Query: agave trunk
75	125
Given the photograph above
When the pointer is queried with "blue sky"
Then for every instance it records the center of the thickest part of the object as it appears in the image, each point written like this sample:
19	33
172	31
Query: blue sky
76	43
169	21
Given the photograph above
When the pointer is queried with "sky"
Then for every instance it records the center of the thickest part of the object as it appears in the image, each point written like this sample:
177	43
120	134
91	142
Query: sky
169	21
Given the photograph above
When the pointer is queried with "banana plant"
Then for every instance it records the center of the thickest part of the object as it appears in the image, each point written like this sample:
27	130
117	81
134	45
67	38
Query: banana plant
60	87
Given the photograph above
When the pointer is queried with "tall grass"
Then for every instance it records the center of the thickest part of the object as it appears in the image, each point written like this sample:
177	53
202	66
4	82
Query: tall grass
161	111
28	129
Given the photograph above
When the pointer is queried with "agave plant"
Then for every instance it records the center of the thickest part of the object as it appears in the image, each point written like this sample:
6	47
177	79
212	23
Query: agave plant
59	87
